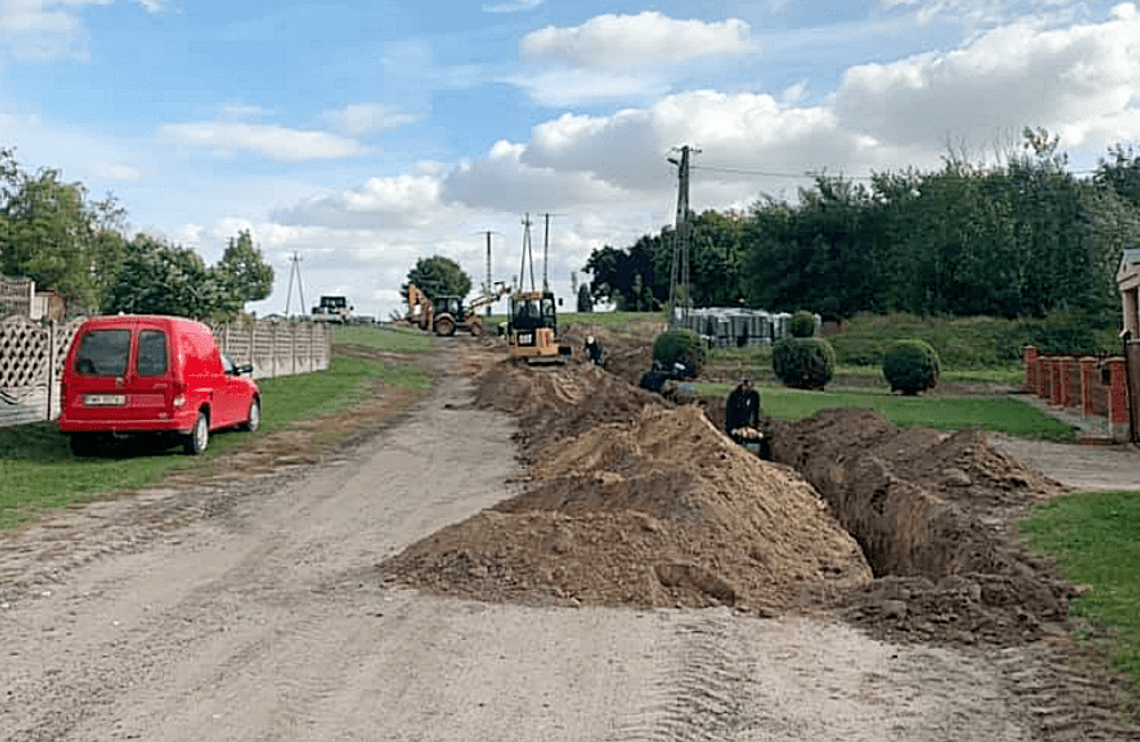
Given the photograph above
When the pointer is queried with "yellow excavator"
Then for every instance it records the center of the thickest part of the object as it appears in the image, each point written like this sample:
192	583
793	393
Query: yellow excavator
532	329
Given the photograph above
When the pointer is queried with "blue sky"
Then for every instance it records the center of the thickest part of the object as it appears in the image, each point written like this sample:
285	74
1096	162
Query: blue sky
364	135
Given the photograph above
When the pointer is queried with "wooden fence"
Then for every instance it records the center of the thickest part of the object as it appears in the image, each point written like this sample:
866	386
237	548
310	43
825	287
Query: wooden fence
32	355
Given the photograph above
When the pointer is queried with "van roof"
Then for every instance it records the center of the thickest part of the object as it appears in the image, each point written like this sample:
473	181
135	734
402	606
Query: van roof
113	319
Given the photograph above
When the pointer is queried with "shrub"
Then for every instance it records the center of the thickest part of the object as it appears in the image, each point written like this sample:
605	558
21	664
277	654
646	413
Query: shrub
802	324
803	363
680	346
910	366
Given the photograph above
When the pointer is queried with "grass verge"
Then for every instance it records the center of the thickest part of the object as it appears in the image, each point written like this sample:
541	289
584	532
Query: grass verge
1094	537
38	473
998	414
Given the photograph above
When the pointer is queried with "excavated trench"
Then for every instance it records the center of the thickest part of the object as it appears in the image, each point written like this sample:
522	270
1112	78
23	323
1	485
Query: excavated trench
630	498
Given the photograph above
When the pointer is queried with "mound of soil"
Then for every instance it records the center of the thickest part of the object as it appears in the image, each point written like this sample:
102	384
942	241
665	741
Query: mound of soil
630	499
935	514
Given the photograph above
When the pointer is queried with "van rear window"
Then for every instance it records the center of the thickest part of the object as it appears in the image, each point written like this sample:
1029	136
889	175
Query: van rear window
152	353
103	352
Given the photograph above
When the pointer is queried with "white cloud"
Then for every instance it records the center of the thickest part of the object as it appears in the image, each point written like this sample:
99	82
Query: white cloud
44	29
115	171
512	7
644	40
403	201
275	142
1082	79
359	119
242	110
504	182
561	88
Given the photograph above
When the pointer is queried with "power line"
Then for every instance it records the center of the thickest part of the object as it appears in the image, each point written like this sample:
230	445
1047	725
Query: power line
817	173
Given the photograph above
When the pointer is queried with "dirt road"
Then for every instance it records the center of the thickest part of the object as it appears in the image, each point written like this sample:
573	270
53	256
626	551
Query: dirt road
254	609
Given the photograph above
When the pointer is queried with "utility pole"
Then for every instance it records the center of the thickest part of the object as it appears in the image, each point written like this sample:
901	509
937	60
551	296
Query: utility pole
487	288
295	270
546	255
679	284
526	253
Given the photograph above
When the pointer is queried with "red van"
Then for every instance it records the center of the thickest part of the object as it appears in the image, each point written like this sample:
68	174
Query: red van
136	375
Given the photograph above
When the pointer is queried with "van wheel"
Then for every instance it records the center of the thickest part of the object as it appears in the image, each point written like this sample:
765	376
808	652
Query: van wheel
253	422
82	444
199	437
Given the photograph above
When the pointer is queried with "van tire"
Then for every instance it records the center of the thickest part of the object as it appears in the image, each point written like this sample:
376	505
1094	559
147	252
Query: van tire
199	436
82	444
253	421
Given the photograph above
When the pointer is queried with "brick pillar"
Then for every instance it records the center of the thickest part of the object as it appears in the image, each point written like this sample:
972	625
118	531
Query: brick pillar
1088	376
1029	357
1056	382
1043	378
1118	400
1070	394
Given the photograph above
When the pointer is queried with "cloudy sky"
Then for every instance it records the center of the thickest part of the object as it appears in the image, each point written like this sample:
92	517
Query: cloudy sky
361	136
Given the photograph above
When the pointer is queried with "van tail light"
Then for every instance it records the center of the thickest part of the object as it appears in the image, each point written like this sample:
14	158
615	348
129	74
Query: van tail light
178	396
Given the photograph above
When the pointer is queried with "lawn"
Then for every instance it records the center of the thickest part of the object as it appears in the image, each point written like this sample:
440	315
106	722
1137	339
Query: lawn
1095	537
997	413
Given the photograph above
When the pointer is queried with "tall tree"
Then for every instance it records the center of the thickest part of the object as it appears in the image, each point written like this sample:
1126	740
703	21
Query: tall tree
160	278
243	271
51	233
438	276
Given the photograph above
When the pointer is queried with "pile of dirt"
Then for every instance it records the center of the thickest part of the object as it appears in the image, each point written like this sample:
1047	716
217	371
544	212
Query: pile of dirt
935	514
632	500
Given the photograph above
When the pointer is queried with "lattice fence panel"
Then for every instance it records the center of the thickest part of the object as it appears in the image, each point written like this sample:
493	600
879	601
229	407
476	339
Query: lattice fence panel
24	358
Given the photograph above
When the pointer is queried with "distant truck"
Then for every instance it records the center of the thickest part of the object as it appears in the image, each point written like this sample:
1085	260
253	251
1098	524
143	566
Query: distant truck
335	309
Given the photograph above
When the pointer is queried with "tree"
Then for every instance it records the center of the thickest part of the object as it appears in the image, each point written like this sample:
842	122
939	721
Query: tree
159	278
51	233
438	276
243	271
585	300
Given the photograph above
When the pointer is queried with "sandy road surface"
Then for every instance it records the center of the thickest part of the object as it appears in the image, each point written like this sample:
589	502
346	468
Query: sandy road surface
1088	467
260	614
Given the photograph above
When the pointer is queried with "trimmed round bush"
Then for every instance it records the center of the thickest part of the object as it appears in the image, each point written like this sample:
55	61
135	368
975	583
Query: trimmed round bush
910	366
803	363
802	324
680	346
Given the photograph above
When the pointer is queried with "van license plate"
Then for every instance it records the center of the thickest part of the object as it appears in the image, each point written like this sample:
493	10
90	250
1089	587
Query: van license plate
105	400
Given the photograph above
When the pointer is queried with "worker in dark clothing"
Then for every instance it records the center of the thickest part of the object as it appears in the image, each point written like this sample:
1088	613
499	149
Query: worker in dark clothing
743	407
594	351
742	419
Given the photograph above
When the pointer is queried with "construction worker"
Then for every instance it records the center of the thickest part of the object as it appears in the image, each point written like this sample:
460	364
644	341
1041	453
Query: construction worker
594	351
742	419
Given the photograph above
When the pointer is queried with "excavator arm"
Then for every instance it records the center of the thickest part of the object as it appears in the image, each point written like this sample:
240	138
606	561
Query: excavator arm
419	308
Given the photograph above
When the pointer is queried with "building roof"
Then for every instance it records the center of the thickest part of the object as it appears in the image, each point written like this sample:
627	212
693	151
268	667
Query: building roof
1131	257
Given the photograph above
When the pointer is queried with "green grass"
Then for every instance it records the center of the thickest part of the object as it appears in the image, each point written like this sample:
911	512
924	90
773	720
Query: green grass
39	473
999	414
393	339
1095	536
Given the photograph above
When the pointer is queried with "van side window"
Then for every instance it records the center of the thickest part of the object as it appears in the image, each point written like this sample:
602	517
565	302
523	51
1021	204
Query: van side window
103	353
152	353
